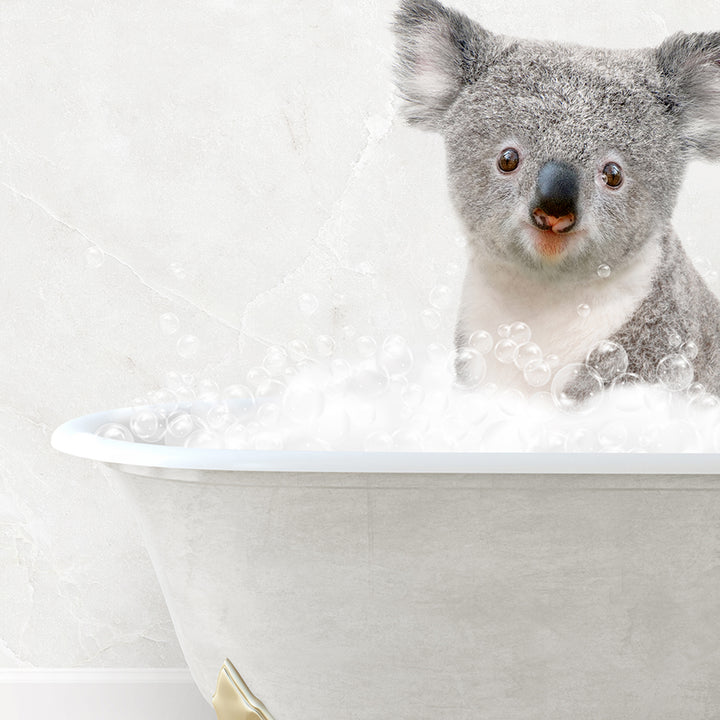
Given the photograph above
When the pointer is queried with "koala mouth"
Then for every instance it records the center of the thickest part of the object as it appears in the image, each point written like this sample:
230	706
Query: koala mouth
552	242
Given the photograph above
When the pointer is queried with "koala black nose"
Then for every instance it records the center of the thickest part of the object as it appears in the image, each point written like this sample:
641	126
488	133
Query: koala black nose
556	196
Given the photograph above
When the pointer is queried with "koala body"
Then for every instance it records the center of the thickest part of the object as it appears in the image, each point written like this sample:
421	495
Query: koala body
564	164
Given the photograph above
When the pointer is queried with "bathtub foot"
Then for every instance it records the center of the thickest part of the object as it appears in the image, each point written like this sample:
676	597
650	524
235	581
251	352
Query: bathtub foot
233	700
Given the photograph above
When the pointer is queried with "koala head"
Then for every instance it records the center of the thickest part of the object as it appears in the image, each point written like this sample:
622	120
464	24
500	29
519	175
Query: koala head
560	158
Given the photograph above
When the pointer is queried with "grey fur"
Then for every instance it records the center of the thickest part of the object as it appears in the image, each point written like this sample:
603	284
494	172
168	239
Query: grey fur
655	108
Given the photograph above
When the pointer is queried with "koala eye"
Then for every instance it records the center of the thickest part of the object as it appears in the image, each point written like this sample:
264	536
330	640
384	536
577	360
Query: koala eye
509	160
612	175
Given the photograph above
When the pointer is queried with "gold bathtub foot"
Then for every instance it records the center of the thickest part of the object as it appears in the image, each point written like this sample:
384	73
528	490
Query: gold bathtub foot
233	700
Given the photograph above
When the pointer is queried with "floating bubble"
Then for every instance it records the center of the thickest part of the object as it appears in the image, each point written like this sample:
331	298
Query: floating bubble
452	268
612	436
340	370
608	359
173	380
270	391
180	425
308	304
674	338
94	257
360	411
219	417
675	372
576	388
333	424
395	356
115	431
481	340
208	391
580	440
705	401
257	376
583	310
236	437
370	382
169	323
178	270
303	402
503	330
552	360
188	346
298	350
689	350
440	297
145	424
430	318
527	352
505	350
537	373
348	332
378	441
412	395
604	270
519	333
511	401
695	389
268	414
437	353
240	399
203	438
275	360
366	346
324	345
164	400
470	368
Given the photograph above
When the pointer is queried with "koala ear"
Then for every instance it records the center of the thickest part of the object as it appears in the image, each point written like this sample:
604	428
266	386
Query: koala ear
691	65
439	51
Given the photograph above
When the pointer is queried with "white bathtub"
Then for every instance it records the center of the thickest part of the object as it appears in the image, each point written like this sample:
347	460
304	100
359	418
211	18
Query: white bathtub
355	586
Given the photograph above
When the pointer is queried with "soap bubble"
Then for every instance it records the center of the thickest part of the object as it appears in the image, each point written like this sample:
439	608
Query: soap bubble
527	352
236	437
240	400
275	359
115	431
437	354
412	395
511	401
452	268
324	345
270	391
430	318
704	401
552	360
173	380
169	323
689	350
203	438
481	340
576	388
219	417
395	357
145	424
608	359
303	402
360	411
180	425
583	310
612	436
333	424
695	389
470	367
94	257
674	338
675	372
348	332
298	350
340	370
604	270
268	414
257	376
366	346
580	440
537	373
164	400
503	330
519	333
188	346
370	382
378	441
505	350
208	391
308	304
440	297
178	270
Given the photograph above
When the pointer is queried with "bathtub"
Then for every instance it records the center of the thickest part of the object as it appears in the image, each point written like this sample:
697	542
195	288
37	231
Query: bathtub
417	586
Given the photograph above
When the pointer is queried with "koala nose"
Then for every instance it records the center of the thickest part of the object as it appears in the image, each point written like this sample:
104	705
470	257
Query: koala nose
556	196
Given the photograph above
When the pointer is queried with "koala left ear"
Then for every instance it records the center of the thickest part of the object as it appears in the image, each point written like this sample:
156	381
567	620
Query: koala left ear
691	65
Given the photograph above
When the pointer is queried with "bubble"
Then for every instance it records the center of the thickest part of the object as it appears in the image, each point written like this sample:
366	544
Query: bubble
675	372
430	318
203	438
360	411
378	441
236	437
504	330
460	241
412	395
580	440
366	346
553	361
180	425
178	270
219	417
436	402
340	370
674	338
208	390
608	359
94	257
173	380
257	376
604	270
188	346
298	350
511	401
689	350
695	389
370	382
240	399
612	436
576	388
324	345
481	340
537	373
268	414
526	353
169	323
270	391
704	401
437	353
275	360
470	367
395	357
333	423
505	350
115	431
452	268
348	332
184	395
145	424
703	266
583	310
308	304
520	333
303	402
440	297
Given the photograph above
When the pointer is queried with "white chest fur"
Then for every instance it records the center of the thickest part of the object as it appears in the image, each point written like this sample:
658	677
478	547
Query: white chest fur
497	294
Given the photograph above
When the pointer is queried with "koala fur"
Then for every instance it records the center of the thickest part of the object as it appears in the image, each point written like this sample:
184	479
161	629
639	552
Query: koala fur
576	113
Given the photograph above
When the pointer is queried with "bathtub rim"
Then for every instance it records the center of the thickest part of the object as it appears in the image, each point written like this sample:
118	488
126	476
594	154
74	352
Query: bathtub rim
77	437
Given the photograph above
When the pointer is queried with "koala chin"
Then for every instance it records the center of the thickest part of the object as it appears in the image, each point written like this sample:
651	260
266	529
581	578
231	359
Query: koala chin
564	164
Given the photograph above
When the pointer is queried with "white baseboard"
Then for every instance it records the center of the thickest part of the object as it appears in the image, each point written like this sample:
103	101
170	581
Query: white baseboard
107	693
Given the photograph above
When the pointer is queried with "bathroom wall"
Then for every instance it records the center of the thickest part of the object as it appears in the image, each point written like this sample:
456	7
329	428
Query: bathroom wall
214	160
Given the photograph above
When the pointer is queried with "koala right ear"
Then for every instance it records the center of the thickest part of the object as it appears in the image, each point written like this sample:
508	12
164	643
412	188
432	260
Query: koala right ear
691	65
439	51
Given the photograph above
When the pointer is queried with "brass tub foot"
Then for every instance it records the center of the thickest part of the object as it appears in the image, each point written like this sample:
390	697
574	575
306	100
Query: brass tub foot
233	700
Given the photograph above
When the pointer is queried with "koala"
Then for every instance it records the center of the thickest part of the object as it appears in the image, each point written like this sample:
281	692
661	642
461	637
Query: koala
564	165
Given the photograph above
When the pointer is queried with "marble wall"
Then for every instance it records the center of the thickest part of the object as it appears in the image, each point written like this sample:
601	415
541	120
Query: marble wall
214	160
